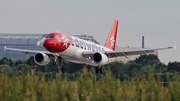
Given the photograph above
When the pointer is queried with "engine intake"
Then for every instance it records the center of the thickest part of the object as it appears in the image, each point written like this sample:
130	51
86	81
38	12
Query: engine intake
41	59
100	58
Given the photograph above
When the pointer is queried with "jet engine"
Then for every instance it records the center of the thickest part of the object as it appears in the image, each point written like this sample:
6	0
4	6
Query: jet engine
41	59
100	58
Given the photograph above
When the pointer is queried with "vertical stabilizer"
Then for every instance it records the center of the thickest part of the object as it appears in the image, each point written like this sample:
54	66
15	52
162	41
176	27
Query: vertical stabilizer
111	40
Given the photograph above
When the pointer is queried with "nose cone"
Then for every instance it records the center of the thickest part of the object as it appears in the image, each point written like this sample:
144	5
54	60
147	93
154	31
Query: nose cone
50	45
55	46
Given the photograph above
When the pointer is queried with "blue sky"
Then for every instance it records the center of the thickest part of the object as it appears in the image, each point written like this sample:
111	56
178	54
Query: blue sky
157	20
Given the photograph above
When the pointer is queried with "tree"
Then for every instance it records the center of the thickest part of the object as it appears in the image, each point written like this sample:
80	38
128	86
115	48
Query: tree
17	62
31	61
173	66
133	68
23	69
147	59
160	67
6	70
148	68
73	67
6	61
117	68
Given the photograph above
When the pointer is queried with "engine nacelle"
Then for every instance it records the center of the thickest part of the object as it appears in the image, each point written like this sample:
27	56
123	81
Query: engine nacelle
41	59
100	58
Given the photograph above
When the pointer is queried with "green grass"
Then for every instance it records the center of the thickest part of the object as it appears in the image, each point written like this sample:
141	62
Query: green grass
87	87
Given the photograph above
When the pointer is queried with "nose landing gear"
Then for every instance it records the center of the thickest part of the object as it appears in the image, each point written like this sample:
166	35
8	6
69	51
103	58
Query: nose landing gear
58	61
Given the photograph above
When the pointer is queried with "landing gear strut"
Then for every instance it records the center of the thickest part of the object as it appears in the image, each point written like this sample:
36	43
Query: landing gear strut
58	61
99	70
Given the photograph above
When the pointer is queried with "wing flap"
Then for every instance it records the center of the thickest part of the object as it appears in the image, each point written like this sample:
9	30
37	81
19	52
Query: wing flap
125	53
133	52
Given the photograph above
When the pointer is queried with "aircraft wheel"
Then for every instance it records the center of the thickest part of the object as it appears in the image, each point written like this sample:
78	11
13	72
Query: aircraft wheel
101	70
63	70
97	70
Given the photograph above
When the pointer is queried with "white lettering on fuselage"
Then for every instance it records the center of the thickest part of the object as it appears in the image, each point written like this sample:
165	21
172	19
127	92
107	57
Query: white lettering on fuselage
86	45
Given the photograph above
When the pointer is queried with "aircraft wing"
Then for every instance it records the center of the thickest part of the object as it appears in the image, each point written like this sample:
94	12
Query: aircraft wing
26	51
126	53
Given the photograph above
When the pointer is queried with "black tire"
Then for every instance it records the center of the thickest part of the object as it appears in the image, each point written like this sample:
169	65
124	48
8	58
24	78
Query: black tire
63	70
101	70
97	70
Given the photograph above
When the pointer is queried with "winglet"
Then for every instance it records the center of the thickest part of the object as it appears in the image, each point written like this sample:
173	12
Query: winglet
4	48
174	47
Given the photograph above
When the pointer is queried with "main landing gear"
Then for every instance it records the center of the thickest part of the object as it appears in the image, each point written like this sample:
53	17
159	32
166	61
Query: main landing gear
58	61
99	70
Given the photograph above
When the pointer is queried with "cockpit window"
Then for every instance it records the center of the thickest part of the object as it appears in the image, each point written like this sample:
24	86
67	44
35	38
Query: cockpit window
50	36
57	37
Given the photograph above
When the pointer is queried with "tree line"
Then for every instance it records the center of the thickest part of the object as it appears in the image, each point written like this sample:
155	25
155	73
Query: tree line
141	65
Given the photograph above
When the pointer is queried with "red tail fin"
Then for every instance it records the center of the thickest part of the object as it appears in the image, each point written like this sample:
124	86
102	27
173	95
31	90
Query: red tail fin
111	40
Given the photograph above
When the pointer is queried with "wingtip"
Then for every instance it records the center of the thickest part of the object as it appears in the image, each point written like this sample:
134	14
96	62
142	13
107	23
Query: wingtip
174	47
4	48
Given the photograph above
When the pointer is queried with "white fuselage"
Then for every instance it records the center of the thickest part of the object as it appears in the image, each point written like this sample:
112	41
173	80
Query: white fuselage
74	52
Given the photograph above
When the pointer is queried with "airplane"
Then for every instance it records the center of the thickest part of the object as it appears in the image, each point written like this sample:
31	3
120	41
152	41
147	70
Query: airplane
62	47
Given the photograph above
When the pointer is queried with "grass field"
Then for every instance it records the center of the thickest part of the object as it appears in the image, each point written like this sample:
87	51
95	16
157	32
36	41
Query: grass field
87	87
